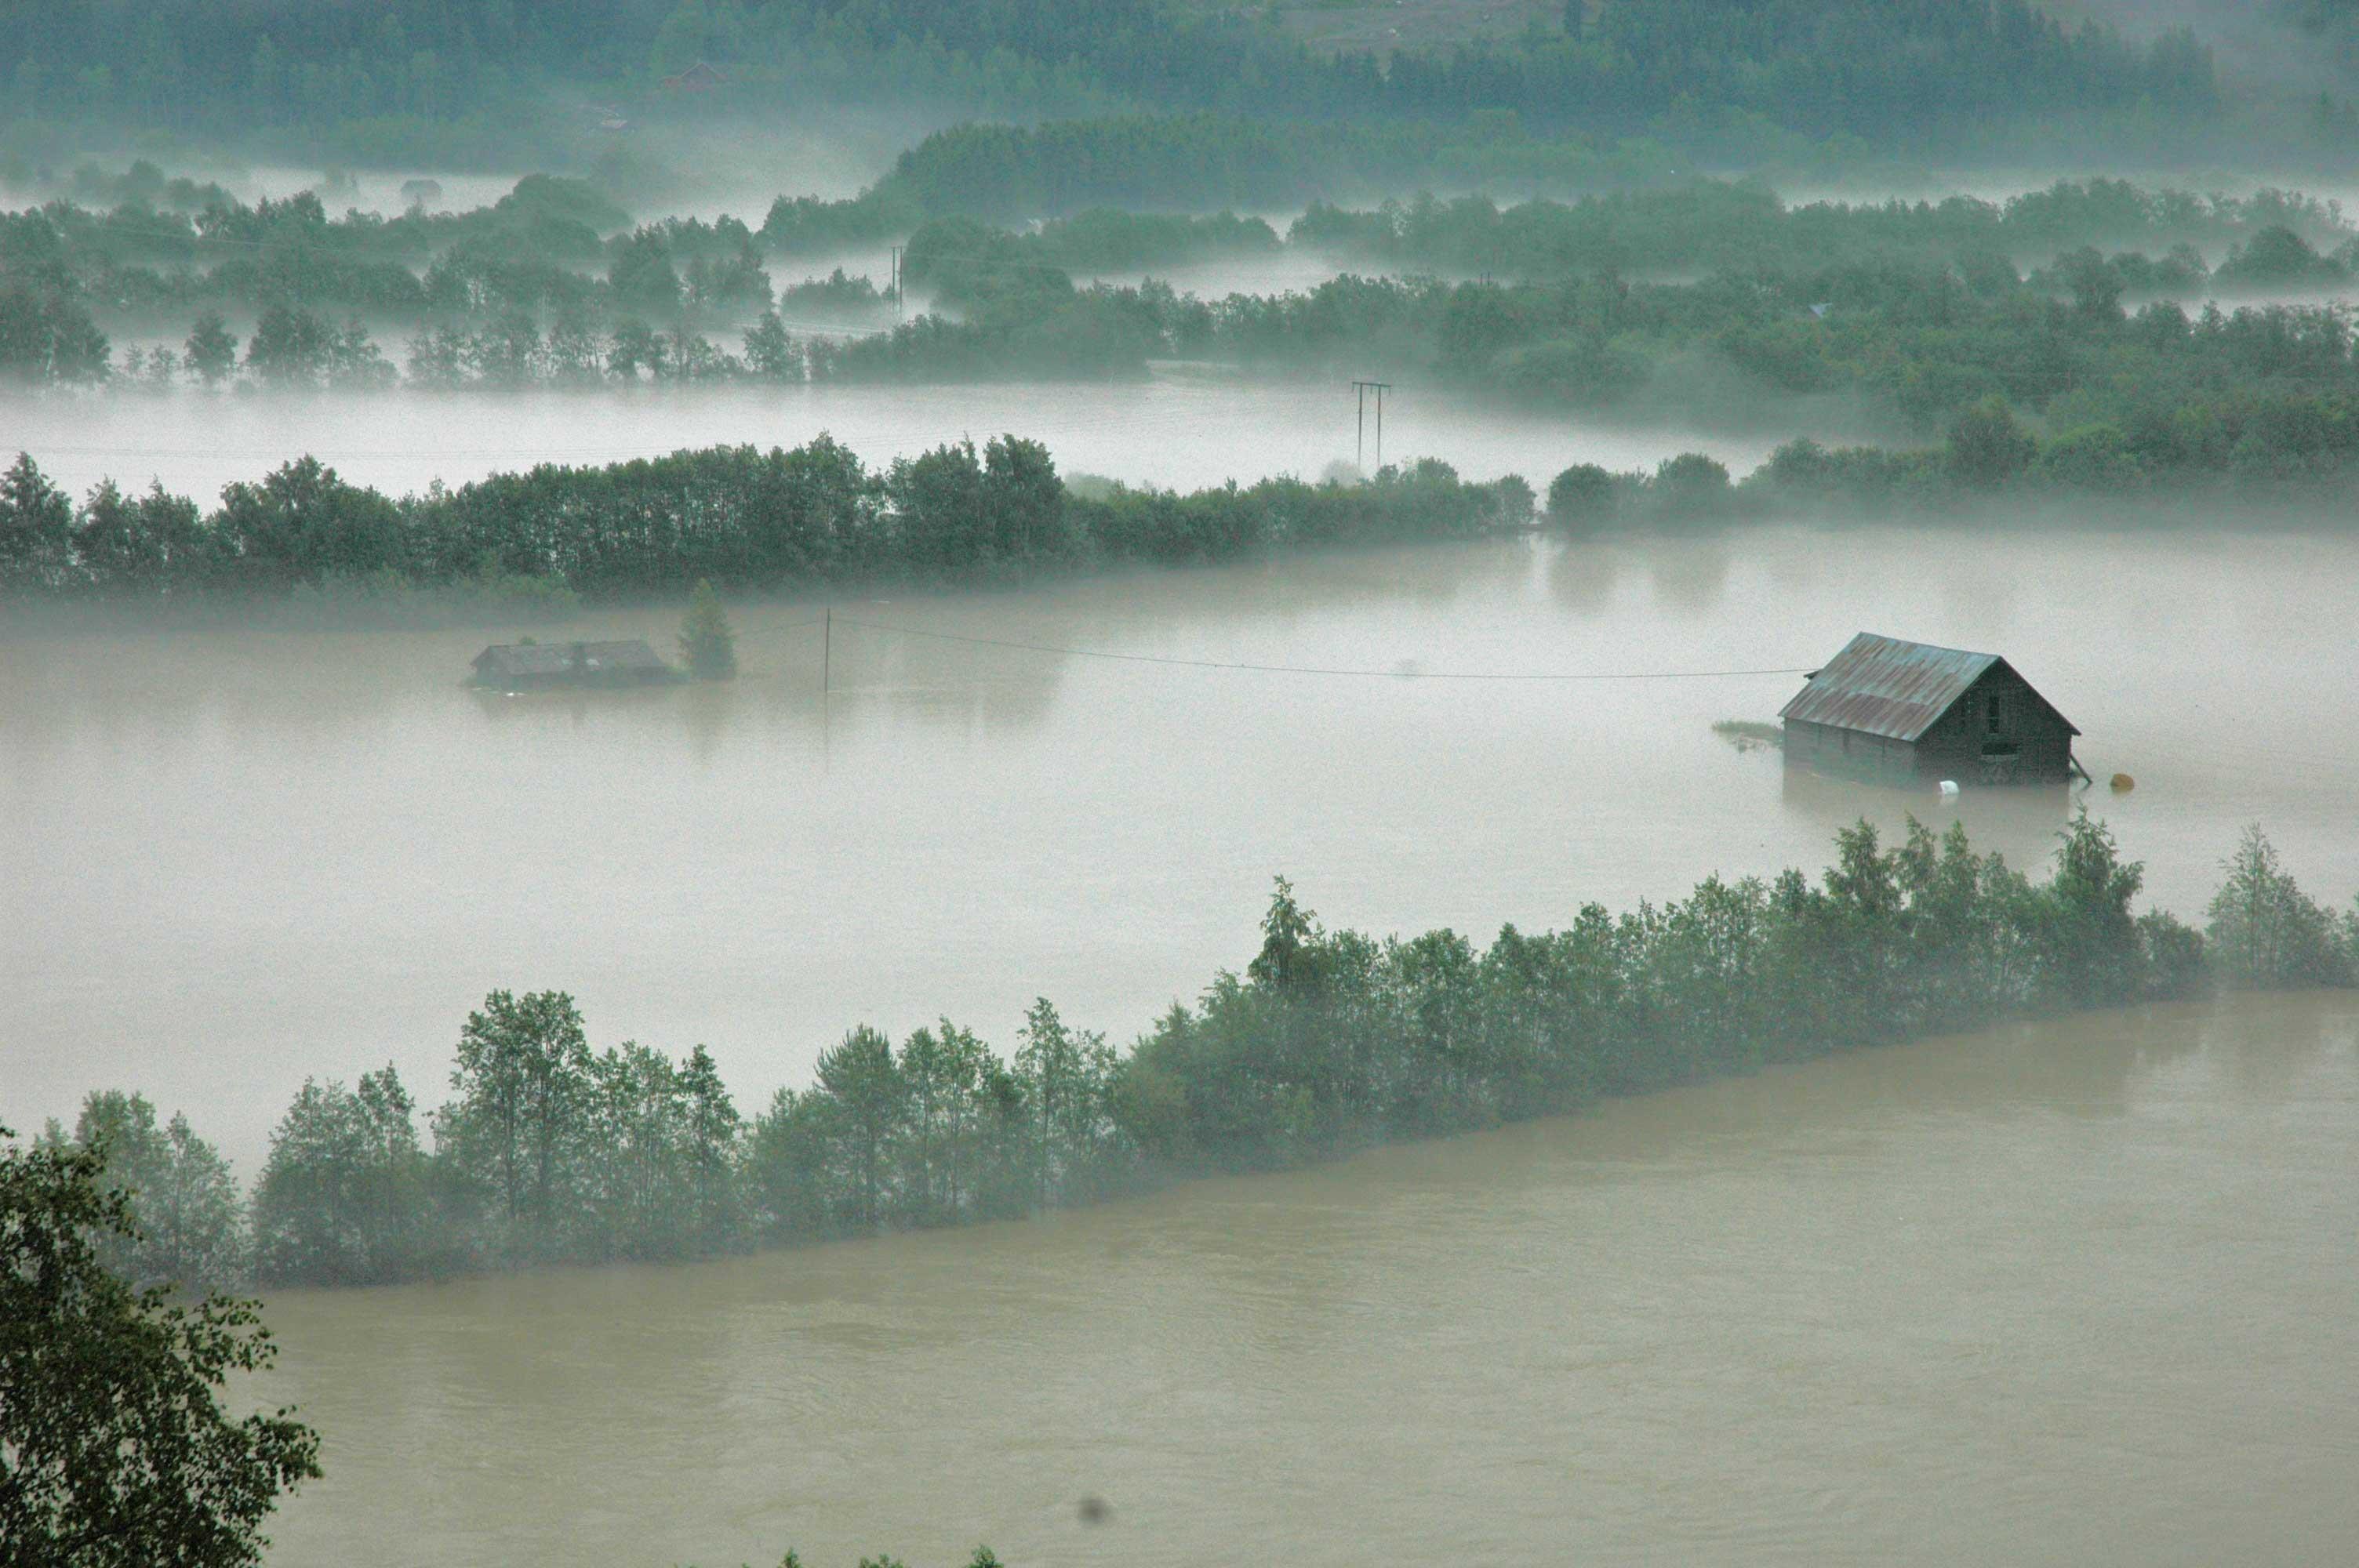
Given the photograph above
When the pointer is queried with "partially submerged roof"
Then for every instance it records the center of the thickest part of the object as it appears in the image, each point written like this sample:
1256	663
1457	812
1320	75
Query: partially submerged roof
1882	686
567	658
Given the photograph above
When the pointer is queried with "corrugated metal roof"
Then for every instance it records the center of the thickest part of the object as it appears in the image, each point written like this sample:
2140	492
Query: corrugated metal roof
1882	686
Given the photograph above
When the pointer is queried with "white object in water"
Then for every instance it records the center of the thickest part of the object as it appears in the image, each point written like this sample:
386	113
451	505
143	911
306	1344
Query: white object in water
1949	789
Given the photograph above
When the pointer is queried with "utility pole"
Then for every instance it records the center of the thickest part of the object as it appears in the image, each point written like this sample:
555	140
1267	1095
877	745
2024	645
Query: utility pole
1360	452
827	652
897	283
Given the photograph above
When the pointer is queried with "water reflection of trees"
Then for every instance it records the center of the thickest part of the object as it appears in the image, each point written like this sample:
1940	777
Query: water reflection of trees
260	683
2020	821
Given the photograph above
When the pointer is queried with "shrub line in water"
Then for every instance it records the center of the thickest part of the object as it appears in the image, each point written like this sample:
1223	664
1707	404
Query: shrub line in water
1328	1042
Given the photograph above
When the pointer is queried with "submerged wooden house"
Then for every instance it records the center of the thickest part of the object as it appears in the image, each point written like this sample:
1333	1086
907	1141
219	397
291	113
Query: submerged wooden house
529	666
1886	711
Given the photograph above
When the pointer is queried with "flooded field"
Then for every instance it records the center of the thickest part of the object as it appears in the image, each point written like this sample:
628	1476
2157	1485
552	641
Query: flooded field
957	827
2064	1294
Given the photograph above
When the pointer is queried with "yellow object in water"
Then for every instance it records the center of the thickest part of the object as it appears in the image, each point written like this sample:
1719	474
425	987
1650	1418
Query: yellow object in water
2123	783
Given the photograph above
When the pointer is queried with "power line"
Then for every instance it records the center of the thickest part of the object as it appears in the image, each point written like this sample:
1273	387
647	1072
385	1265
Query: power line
1326	670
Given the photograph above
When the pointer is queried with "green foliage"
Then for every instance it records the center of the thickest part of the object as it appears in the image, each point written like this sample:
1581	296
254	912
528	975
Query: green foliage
1691	486
642	275
554	198
190	1217
1581	496
2266	932
432	73
2277	257
815	517
114	1451
303	524
1987	447
47	338
706	642
1742	229
1328	1041
1913	308
37	533
211	351
345	1197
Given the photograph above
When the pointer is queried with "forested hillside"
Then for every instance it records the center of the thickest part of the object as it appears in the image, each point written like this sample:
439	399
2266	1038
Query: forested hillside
1853	67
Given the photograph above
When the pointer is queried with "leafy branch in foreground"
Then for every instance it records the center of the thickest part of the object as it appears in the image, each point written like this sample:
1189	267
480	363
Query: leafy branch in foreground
114	1451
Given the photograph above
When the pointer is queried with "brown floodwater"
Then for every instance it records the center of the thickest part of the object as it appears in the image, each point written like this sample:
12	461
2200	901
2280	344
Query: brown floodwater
2071	1293
233	859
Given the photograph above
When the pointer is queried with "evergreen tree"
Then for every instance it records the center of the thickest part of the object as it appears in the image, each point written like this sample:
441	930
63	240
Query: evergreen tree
36	532
706	641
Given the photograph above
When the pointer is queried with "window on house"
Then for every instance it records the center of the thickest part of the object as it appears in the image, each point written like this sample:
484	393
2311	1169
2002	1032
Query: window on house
1990	714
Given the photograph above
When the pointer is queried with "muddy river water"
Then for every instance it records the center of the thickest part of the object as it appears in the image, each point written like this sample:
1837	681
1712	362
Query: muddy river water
2066	1294
2071	1293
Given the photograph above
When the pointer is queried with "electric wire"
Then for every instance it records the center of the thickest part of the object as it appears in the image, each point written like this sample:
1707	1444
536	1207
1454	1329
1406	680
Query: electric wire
1246	666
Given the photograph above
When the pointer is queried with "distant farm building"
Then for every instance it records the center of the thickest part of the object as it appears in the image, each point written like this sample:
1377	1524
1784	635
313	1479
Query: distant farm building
697	78
529	666
1886	711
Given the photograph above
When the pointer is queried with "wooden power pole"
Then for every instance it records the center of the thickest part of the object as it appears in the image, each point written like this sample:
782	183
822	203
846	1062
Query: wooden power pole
1360	451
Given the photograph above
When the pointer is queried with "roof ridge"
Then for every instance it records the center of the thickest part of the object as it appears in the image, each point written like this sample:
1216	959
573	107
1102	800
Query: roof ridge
1937	647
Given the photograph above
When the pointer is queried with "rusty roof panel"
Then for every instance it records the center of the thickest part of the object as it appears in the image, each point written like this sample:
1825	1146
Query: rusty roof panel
1882	686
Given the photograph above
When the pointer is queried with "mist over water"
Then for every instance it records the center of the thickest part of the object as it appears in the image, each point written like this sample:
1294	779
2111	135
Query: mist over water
2075	1290
1183	428
237	858
2065	1294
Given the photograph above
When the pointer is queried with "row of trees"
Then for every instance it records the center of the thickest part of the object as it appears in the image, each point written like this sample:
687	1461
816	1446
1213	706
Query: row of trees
1922	341
79	270
1707	225
816	517
2288	447
781	520
1328	1041
543	246
1929	295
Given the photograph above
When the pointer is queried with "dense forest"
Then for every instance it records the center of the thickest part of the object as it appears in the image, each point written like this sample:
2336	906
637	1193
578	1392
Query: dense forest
405	72
1329	1041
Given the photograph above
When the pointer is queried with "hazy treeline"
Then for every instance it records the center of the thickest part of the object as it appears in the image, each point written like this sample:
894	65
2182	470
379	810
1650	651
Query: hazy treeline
398	71
742	518
551	251
1918	342
2242	451
1709	225
1919	306
1016	173
1327	1042
816	517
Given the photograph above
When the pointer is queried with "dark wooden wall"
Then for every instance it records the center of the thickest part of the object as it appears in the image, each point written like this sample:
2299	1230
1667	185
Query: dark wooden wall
1850	755
1961	743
